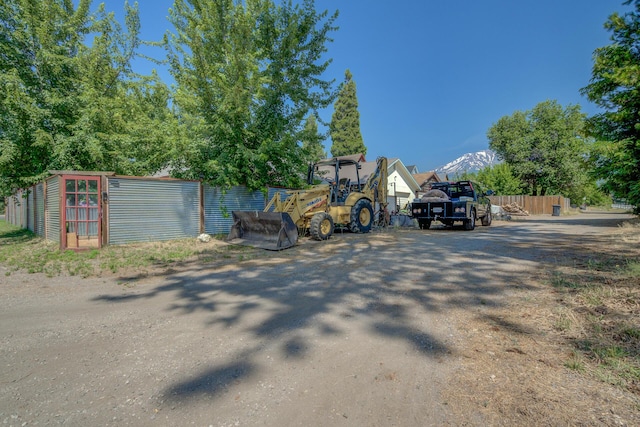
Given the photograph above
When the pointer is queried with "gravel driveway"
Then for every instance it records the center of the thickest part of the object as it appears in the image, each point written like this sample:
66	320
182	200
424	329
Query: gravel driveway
362	330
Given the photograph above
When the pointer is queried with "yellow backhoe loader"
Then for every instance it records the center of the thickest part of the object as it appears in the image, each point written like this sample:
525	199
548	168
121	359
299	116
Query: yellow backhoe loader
336	201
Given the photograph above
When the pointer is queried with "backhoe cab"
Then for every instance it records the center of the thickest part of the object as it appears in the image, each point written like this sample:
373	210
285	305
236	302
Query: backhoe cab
337	197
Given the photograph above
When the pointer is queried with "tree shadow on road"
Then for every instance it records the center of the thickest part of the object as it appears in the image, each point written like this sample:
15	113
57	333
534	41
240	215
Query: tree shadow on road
390	282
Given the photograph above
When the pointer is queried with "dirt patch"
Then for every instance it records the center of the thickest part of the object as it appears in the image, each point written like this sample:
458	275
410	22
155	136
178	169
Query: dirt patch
504	325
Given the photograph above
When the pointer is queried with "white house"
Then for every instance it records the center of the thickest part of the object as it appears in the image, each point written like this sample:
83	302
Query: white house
403	188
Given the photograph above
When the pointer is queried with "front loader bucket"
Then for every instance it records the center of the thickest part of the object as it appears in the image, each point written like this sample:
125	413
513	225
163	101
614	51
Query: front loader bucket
267	230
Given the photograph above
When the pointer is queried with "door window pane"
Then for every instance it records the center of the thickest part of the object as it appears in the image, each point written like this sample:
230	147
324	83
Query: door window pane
93	229
82	229
71	214
93	214
82	207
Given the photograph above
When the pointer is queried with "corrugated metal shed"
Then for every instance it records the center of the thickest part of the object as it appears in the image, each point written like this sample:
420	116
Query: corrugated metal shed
136	209
53	210
143	210
219	204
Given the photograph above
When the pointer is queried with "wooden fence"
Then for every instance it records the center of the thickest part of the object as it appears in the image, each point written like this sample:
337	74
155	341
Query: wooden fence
535	205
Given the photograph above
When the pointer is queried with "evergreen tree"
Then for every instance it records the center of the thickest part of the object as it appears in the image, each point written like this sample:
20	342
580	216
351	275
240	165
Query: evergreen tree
345	122
312	141
248	74
616	88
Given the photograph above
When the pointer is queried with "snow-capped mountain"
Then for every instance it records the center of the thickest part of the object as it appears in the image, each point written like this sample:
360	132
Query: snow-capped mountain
470	162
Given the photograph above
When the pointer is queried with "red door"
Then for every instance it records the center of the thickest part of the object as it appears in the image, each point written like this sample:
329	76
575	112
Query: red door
82	212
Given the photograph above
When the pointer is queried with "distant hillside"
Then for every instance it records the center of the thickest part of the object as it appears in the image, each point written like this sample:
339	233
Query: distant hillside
470	162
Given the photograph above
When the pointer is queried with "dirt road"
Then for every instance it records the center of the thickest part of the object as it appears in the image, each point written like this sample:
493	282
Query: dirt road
362	330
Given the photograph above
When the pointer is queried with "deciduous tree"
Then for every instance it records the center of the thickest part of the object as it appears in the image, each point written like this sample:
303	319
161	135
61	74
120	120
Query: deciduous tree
546	149
69	104
248	74
497	178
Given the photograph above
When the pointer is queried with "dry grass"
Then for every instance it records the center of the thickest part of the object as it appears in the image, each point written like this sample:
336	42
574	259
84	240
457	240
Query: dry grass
601	297
581	363
22	250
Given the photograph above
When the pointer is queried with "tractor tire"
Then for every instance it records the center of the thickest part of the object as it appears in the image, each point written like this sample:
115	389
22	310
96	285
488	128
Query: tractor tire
486	219
470	223
361	217
424	224
321	227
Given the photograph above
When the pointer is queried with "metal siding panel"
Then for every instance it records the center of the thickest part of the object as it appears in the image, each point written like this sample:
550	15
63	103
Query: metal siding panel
53	210
15	202
11	210
143	210
218	206
23	210
29	209
39	210
271	191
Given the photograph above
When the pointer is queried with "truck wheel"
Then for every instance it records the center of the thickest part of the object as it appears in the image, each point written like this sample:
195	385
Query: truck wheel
321	227
361	217
486	220
424	224
470	223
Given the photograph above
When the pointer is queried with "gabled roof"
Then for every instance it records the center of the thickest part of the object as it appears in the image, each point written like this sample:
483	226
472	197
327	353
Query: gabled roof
396	164
413	169
421	178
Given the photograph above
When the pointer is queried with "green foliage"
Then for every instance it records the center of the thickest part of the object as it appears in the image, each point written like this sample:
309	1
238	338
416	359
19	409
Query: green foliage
594	195
614	87
546	149
312	147
248	74
345	122
497	178
67	105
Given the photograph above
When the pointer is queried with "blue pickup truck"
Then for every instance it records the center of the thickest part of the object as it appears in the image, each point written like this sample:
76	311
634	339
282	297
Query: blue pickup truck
450	202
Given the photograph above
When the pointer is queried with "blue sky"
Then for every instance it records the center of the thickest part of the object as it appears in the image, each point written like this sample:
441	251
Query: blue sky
433	76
